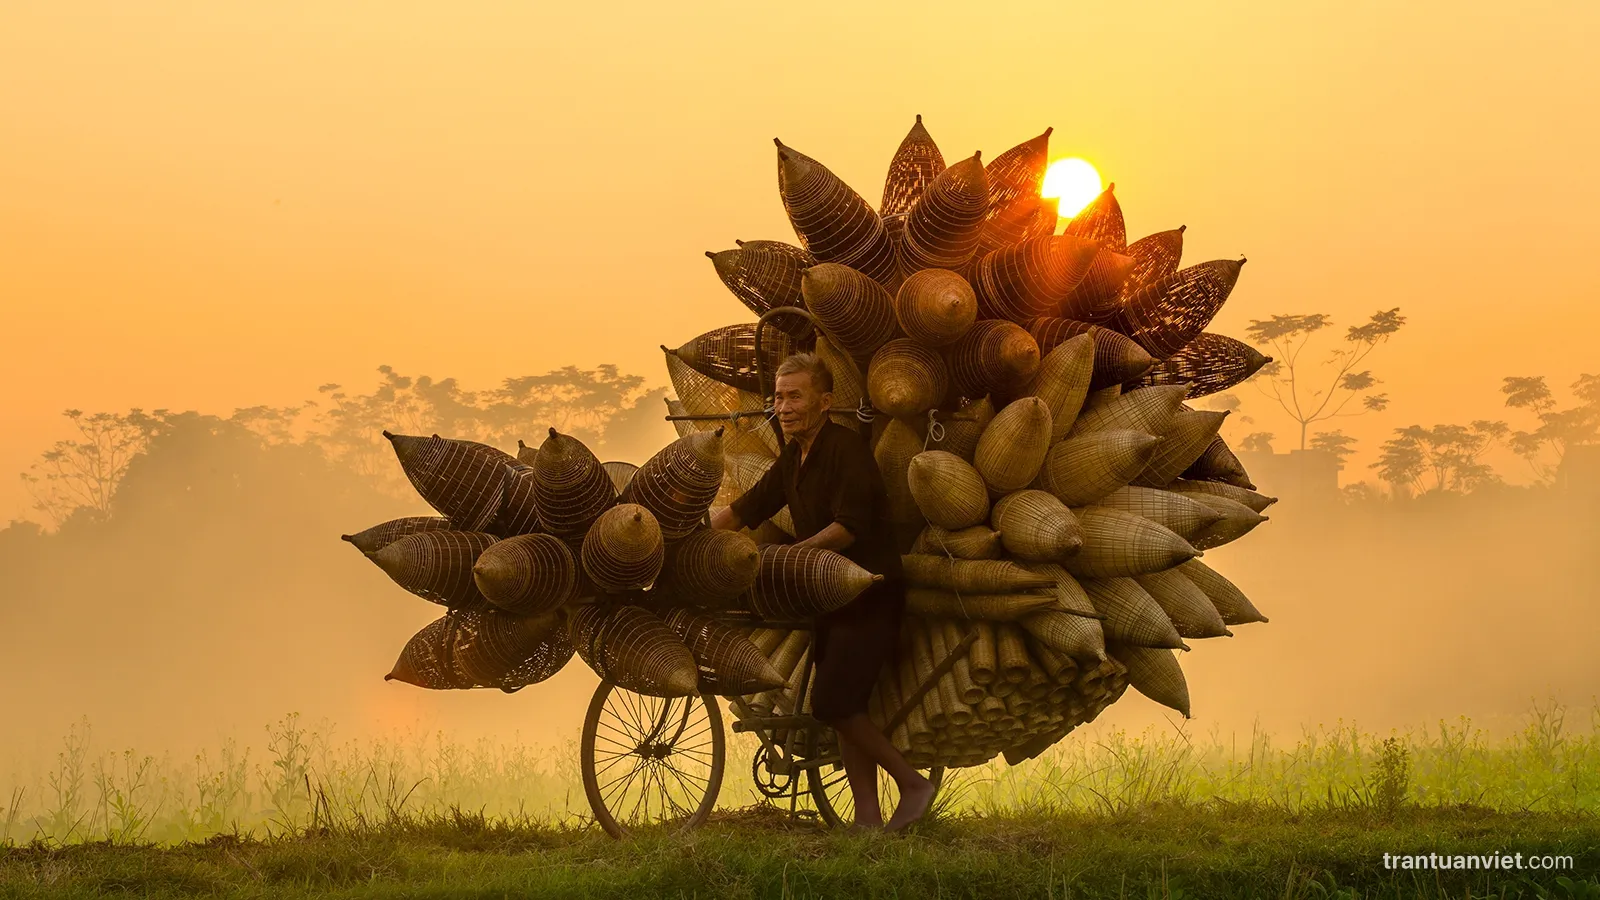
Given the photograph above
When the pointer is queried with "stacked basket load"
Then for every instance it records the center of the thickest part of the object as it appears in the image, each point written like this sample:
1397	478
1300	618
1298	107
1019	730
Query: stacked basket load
1025	396
1025	392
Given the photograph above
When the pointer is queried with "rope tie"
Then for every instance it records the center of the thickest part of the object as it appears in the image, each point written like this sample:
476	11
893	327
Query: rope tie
935	432
865	413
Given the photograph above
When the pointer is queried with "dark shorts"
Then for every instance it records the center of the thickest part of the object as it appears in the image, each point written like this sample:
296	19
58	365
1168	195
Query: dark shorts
853	644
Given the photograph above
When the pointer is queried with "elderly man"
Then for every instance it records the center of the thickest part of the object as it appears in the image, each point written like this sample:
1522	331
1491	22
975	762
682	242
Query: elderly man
829	481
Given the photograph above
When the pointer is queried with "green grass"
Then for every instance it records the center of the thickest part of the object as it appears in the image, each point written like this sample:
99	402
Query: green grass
1215	849
1102	814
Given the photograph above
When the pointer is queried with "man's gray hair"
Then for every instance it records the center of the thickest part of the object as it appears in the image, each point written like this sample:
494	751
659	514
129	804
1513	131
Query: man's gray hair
811	364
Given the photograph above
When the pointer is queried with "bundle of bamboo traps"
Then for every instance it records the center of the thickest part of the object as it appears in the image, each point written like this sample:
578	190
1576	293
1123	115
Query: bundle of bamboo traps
1025	394
1025	389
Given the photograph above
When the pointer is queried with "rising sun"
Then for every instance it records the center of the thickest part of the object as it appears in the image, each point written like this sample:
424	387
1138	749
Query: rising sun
1074	181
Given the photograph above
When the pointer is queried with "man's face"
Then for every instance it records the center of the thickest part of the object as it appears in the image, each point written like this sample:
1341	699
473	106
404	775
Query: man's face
799	405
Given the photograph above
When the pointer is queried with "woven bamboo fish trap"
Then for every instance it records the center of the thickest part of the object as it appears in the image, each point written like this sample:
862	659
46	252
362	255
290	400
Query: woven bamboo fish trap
832	221
572	486
621	473
1156	674
623	551
710	568
1078	637
907	378
492	644
740	472
1209	364
1218	463
1187	606
728	354
849	387
944	223
972	576
947	490
1015	178
461	479
1257	502
1036	526
1166	315
382	535
900	444
993	356
1150	410
1101	221
799	582
955	299
1063	382
1046	220
765	275
1081	470
1132	616
729	664
1155	257
1231	603
855	311
527	575
916	163
977	542
437	565
1117	358
987	607
1096	298
1190	434
631	646
679	483
962	431
1181	515
1236	520
518	512
1117	543
935	307
1014	445
1033	278
467	649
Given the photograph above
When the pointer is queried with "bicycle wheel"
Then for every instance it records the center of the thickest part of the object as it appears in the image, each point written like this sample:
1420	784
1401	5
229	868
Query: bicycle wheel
651	761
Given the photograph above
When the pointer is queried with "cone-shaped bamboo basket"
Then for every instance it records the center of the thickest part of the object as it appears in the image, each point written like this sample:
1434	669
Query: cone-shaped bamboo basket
935	307
572	486
437	566
461	479
832	221
632	647
527	575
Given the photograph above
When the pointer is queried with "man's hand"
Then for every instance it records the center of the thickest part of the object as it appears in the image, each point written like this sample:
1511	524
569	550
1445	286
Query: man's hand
834	537
726	520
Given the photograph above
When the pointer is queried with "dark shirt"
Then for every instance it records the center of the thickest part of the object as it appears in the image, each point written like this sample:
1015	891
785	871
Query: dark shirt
838	482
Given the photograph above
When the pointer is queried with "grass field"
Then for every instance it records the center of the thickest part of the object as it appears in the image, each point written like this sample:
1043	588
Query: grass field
1113	815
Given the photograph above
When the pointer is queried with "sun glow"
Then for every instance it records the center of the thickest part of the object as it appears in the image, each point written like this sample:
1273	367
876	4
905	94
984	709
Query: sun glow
1074	181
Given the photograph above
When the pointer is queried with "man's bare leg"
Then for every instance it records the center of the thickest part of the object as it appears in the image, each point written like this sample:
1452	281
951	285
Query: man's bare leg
863	775
916	792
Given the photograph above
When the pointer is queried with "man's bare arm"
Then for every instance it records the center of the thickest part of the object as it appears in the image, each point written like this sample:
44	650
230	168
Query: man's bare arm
726	519
834	537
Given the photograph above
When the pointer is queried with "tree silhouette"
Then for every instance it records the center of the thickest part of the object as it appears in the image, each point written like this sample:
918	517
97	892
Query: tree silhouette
1421	460
1306	397
1545	446
83	473
612	412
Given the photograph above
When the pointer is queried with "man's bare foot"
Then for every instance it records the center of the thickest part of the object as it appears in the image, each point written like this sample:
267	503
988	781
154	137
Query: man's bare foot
914	803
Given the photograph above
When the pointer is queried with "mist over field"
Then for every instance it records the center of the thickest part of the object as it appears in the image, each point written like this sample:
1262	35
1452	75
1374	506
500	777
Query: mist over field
214	596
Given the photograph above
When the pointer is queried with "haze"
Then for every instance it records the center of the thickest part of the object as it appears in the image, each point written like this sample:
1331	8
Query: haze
211	206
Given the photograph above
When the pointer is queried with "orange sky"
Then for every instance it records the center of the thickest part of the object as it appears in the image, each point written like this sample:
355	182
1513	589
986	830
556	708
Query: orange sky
214	205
